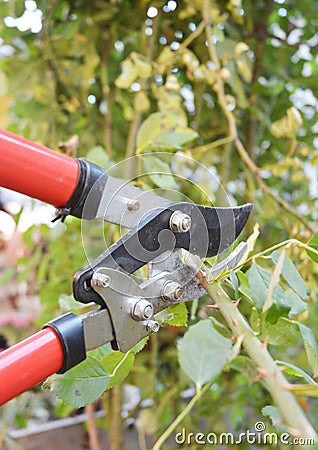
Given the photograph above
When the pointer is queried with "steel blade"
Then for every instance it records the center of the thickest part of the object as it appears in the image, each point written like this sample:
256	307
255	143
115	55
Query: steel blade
126	205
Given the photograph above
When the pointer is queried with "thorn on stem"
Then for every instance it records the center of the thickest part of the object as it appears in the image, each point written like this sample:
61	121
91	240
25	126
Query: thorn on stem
215	306
236	303
265	343
296	433
262	372
257	378
201	279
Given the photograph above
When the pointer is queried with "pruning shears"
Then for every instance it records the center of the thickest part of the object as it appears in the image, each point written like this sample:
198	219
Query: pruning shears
161	232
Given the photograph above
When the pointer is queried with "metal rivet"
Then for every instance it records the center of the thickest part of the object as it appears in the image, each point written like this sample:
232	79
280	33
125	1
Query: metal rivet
142	310
180	222
133	205
172	291
100	279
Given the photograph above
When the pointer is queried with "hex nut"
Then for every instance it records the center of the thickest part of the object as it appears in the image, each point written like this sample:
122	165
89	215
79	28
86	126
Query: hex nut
142	310
152	326
179	222
172	291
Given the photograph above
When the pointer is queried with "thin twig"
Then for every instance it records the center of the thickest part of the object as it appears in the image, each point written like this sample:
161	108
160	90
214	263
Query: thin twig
215	144
273	378
94	443
181	416
219	87
275	381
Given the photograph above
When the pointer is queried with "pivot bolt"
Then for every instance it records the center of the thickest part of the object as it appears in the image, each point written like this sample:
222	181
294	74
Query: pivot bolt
100	279
180	222
172	291
152	326
142	310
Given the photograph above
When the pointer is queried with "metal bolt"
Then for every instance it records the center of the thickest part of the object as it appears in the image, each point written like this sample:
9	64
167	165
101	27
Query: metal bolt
180	222
152	326
100	279
142	310
133	205
172	291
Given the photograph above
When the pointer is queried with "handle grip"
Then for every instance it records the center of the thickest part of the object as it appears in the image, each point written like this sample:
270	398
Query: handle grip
29	362
51	177
36	171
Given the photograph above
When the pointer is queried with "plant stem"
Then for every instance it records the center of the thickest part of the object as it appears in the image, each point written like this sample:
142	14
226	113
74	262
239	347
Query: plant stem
107	95
220	91
136	121
180	417
276	383
287	243
94	443
115	419
215	144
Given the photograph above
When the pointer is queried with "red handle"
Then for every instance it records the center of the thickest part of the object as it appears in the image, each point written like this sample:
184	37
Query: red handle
35	170
29	362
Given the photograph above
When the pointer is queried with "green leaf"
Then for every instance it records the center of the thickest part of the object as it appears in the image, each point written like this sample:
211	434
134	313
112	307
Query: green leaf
291	369
179	315
142	64
274	282
313	242
258	280
175	140
244	286
298	306
140	345
303	389
245	366
221	328
282	333
311	347
174	315
165	131
273	413
81	385
292	276
102	351
160	173
7	275
203	352
155	124
129	73
235	284
118	365
288	125
98	155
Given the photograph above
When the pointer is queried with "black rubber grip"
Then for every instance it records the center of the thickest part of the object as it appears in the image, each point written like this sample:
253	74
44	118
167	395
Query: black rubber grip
70	331
91	181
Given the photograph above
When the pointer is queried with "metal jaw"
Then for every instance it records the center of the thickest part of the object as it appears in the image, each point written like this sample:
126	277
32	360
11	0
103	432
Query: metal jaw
130	313
131	307
160	230
202	230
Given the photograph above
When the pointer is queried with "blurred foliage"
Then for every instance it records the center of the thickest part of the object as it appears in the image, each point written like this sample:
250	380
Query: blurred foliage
231	84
